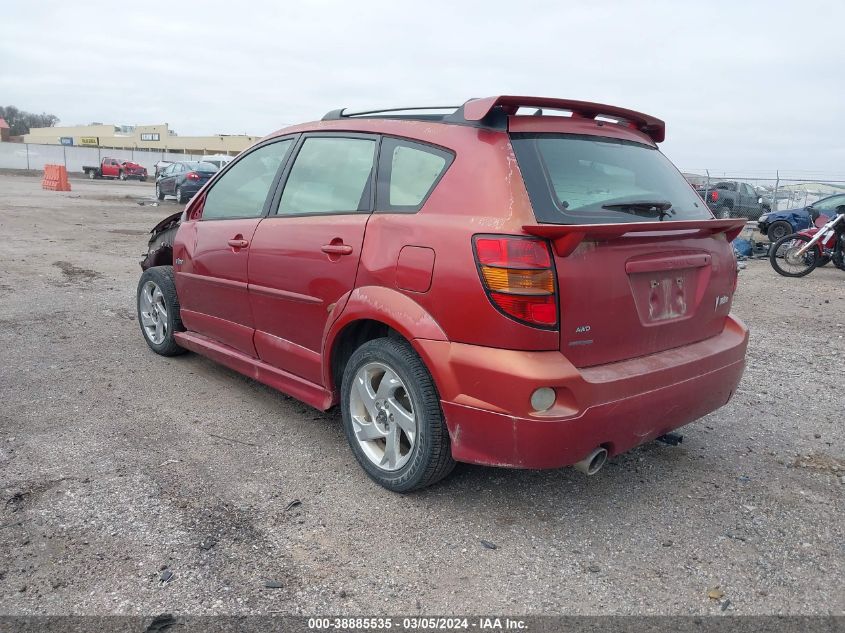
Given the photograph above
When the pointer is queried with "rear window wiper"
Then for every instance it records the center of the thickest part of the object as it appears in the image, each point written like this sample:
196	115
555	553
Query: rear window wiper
652	208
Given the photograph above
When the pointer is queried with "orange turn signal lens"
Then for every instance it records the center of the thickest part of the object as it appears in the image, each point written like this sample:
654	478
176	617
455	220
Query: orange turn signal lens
519	281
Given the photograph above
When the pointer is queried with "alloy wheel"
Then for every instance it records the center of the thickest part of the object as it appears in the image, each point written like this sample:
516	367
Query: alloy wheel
153	312
383	417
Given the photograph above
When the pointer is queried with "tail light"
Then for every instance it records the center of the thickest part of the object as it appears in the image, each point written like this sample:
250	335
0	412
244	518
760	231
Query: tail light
192	175
714	196
518	277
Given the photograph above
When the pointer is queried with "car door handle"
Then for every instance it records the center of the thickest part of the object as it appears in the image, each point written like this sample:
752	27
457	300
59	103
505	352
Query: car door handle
238	243
337	249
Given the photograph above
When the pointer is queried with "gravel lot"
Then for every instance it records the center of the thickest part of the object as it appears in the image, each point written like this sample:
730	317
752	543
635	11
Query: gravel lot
118	466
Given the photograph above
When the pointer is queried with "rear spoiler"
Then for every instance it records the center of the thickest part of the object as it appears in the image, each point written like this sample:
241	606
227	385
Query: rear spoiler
477	109
566	237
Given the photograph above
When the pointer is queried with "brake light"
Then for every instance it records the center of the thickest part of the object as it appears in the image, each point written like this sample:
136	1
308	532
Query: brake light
518	277
192	175
714	196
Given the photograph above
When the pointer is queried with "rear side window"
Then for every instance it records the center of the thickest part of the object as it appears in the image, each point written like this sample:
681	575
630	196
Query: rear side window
580	179
330	175
408	173
242	191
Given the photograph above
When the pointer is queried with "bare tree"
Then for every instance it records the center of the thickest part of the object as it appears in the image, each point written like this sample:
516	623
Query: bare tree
20	122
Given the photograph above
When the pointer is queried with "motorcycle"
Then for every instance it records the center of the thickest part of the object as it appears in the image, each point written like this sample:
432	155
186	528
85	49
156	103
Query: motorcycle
800	253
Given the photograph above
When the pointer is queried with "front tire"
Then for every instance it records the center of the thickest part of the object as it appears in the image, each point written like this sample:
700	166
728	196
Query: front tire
159	192
158	310
778	230
392	416
784	258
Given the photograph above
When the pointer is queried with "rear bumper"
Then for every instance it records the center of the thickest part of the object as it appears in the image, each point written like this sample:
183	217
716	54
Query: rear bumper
190	188
485	395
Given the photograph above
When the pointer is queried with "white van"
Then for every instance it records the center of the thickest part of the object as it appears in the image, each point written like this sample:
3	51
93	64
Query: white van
218	160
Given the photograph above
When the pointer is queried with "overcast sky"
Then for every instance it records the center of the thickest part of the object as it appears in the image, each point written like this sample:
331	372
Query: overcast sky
743	86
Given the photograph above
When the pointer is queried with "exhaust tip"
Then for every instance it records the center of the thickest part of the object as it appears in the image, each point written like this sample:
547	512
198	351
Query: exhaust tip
593	462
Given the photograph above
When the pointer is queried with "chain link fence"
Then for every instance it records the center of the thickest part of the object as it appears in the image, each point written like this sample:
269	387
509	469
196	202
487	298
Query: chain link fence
32	156
768	191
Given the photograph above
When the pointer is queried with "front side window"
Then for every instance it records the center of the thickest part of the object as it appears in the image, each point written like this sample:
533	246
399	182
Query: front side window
242	191
580	179
329	175
408	172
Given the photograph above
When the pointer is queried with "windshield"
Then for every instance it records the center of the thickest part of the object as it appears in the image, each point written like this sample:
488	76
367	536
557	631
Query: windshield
575	179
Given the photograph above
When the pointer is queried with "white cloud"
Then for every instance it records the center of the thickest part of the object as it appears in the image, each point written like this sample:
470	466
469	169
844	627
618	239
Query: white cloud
742	86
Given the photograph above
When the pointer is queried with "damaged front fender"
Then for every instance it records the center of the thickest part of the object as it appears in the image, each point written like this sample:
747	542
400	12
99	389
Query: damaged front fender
160	247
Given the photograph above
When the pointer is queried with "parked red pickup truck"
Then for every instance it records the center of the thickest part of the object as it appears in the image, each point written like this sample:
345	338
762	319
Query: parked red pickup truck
116	168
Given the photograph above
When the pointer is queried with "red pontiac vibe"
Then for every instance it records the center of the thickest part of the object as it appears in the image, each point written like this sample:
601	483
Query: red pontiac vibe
478	284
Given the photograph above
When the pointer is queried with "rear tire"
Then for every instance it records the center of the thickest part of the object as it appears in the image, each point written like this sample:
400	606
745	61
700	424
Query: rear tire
121	175
785	263
778	230
159	311
405	387
92	174
179	197
723	212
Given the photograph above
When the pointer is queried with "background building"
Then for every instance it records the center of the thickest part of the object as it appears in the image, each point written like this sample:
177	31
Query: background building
158	138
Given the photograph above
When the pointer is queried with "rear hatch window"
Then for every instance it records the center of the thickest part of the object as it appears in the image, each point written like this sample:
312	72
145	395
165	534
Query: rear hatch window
575	179
203	167
636	294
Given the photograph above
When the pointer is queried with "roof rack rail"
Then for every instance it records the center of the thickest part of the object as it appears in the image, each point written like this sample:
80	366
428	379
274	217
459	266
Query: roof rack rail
335	115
